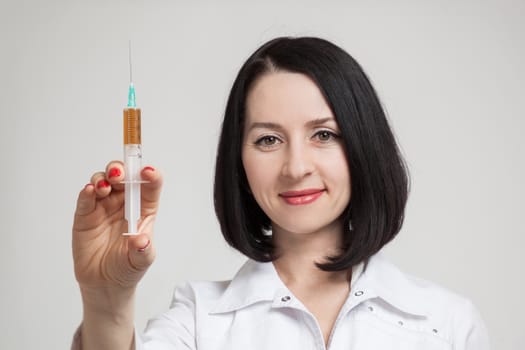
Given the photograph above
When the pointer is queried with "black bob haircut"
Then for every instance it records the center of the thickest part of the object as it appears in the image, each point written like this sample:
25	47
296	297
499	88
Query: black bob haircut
379	176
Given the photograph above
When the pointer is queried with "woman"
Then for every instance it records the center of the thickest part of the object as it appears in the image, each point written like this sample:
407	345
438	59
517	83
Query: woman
309	185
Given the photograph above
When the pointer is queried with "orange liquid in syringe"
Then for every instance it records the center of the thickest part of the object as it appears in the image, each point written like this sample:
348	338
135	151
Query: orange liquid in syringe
132	126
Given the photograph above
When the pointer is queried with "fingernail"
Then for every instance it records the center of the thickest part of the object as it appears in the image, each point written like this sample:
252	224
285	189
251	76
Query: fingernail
102	184
114	172
88	185
145	247
150	168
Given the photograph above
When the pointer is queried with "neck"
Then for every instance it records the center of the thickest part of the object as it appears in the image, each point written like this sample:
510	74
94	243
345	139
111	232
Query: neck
298	252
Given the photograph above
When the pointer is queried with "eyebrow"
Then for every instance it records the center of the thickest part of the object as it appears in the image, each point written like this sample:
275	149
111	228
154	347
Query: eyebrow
270	125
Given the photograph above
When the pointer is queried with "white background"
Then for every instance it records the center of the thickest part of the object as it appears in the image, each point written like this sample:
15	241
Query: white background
450	74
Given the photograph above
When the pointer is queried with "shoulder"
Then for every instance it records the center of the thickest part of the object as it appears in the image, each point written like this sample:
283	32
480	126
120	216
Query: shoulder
253	283
449	314
438	303
433	298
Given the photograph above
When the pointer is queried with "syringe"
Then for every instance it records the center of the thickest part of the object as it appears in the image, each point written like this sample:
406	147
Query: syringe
132	158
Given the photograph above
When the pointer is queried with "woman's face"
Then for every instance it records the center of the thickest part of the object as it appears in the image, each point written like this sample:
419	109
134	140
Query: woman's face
293	155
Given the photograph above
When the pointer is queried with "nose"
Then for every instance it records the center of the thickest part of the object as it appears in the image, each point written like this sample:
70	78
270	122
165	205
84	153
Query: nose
297	162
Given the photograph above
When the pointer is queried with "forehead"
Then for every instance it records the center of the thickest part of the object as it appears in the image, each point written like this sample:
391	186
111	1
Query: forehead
281	96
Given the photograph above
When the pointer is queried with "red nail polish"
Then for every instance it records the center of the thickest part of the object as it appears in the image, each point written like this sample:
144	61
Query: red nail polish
149	168
114	172
144	248
102	184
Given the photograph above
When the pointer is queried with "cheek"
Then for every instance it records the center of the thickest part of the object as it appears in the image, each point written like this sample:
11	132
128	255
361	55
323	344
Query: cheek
253	170
336	170
260	171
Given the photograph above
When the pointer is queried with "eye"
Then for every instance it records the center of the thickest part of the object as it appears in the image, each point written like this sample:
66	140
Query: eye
326	136
268	141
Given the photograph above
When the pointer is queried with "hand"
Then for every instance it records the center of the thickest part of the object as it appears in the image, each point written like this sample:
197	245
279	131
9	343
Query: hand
104	259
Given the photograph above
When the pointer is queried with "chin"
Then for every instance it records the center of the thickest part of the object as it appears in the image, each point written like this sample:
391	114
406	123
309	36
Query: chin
302	227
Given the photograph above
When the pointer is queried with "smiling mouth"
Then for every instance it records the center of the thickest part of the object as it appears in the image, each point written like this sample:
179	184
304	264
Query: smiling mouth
301	197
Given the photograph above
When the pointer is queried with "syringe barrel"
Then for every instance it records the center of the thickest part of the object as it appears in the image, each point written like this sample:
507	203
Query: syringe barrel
133	165
132	126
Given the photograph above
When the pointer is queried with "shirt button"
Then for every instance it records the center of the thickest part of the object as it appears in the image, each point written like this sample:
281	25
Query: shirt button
370	308
285	298
400	323
359	293
435	330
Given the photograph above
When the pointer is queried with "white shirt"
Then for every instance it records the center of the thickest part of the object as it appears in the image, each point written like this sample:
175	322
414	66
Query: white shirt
385	309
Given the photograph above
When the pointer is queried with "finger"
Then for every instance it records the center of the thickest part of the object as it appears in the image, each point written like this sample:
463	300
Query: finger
141	251
86	201
146	225
102	186
115	174
152	188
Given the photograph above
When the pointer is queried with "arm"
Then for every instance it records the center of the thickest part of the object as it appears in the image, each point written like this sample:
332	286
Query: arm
108	321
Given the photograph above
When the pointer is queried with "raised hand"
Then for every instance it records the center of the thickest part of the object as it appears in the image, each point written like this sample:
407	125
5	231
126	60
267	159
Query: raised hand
103	257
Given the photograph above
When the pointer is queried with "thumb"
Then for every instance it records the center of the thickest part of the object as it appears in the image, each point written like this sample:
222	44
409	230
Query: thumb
141	252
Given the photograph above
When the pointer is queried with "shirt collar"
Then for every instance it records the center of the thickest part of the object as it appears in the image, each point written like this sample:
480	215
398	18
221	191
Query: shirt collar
256	282
381	279
377	278
253	283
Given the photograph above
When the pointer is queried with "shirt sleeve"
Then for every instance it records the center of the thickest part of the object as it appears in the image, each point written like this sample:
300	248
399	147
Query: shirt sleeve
471	330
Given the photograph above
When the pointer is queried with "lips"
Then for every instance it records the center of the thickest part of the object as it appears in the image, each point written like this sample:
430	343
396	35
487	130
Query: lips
301	197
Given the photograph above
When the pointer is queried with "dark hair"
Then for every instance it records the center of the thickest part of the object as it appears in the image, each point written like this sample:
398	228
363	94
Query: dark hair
379	176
